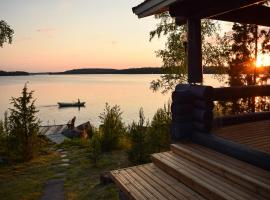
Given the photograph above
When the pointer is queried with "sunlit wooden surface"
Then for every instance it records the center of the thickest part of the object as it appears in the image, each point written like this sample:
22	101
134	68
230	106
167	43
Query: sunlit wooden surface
190	171
255	135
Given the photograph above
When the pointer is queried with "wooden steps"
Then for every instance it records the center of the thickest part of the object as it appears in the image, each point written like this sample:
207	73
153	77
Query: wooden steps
150	182
191	171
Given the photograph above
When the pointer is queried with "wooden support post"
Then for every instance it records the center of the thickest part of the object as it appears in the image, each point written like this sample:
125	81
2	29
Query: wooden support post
195	73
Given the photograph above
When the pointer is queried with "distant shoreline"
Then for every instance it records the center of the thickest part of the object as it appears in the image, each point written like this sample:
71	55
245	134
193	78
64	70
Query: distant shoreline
15	73
143	70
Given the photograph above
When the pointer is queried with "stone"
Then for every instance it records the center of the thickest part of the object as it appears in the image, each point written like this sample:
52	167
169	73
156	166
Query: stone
54	189
65	165
105	178
65	160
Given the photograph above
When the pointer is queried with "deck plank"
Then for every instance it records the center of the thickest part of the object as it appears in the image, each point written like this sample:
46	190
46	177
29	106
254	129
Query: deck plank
200	179
256	183
255	134
149	182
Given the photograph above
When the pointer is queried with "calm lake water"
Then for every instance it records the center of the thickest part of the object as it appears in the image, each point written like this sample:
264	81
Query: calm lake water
130	92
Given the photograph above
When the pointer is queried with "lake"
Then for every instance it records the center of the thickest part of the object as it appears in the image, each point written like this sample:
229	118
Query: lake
130	92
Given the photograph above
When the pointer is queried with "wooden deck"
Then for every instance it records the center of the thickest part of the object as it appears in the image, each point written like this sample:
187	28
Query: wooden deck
255	134
190	171
54	133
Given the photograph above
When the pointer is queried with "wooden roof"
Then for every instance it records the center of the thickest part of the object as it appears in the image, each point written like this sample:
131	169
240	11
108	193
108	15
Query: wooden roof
242	11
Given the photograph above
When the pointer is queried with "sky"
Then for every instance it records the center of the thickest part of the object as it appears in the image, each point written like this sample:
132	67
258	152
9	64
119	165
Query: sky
57	35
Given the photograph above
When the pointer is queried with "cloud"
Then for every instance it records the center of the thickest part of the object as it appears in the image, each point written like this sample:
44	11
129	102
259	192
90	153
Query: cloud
114	42
46	30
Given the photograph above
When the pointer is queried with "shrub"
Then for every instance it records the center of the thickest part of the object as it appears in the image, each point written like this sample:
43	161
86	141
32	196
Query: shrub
1	129
4	134
159	131
138	152
111	128
23	127
95	147
2	139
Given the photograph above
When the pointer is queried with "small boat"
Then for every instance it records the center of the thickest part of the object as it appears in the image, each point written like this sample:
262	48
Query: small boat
74	104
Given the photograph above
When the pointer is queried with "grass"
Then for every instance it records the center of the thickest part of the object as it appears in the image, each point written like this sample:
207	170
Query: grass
82	177
26	181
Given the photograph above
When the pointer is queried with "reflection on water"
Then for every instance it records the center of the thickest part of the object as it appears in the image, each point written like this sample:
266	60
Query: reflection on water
129	91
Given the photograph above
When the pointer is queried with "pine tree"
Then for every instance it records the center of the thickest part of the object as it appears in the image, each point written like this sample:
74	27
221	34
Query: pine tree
111	128
159	131
139	151
24	126
95	147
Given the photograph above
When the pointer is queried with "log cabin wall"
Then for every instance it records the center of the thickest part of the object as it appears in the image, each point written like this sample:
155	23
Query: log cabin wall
192	107
192	119
192	110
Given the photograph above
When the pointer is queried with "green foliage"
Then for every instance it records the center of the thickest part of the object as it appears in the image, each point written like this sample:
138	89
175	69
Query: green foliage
95	147
159	132
23	127
174	69
5	124
139	150
4	136
111	128
1	128
6	33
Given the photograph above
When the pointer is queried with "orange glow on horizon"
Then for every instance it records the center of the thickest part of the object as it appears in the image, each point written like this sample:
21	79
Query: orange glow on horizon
263	60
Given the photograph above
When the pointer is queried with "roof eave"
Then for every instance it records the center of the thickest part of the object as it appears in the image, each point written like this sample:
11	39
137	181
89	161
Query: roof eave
152	7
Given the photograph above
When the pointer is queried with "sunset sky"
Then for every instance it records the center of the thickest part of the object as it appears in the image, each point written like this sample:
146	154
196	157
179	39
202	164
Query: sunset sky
56	35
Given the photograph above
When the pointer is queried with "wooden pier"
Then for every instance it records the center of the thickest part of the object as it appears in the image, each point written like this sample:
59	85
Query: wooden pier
54	133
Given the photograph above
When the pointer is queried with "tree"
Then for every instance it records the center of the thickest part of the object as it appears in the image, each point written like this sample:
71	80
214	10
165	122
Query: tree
95	147
139	150
23	126
111	128
246	42
159	131
244	50
174	69
4	133
6	33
